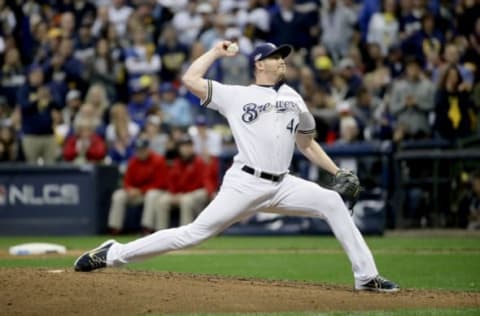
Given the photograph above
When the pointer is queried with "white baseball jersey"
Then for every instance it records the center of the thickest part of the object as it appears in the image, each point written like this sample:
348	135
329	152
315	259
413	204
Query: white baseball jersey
263	121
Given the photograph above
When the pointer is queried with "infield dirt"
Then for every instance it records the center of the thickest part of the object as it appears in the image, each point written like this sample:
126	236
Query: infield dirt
27	291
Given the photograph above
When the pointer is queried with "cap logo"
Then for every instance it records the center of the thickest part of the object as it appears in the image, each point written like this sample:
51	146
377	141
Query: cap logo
258	56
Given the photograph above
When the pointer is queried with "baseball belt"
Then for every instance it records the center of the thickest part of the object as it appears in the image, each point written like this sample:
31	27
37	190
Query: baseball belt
264	175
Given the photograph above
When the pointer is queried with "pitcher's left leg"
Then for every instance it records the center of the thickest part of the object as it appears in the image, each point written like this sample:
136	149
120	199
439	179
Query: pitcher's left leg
298	197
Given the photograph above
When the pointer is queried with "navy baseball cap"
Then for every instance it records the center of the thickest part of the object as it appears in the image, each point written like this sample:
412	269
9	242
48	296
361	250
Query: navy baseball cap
268	49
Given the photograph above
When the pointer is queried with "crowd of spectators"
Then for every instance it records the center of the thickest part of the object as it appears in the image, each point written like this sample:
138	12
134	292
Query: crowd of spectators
81	80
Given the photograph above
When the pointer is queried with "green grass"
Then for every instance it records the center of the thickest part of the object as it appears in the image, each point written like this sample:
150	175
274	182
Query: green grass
415	262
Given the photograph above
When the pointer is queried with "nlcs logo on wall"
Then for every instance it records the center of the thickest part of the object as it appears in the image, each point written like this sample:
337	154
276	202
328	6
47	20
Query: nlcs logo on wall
45	194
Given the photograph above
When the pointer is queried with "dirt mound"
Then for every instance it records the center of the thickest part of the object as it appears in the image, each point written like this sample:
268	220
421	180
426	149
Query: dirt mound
127	292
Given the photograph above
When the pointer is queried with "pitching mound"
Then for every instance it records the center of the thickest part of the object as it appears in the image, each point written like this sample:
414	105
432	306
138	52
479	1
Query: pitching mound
126	292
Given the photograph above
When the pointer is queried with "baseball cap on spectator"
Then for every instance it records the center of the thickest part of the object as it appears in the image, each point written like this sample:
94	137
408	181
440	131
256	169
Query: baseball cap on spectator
141	84
167	87
268	49
54	32
72	94
141	143
323	63
204	8
154	119
346	63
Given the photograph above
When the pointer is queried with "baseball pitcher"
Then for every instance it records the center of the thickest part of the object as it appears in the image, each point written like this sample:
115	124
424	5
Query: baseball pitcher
267	120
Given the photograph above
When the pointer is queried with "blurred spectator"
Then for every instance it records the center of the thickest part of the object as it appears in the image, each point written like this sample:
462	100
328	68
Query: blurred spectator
189	187
176	109
118	15
45	41
120	121
100	24
121	150
472	55
411	102
395	61
65	71
73	103
90	114
141	58
427	43
254	20
175	136
97	97
337	21
207	143
373	58
289	26
153	132
455	113
188	22
323	109
67	25
383	27
348	133
84	45
142	18
120	136
12	76
307	84
216	32
371	115
173	54
103	68
324	75
469	206
144	182
339	89
9	146
83	10
85	145
409	18
39	113
452	57
467	12
8	22
349	73
140	102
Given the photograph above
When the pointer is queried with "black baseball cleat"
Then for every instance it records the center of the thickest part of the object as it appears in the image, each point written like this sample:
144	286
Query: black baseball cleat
378	284
94	259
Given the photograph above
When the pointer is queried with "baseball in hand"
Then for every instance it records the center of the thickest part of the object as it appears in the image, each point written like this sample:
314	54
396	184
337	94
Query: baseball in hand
232	48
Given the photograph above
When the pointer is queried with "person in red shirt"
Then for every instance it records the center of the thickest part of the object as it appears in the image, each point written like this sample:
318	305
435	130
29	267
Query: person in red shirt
144	182
190	185
84	145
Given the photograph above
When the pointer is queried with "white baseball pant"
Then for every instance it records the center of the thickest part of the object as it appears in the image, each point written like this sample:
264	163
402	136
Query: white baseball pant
240	196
